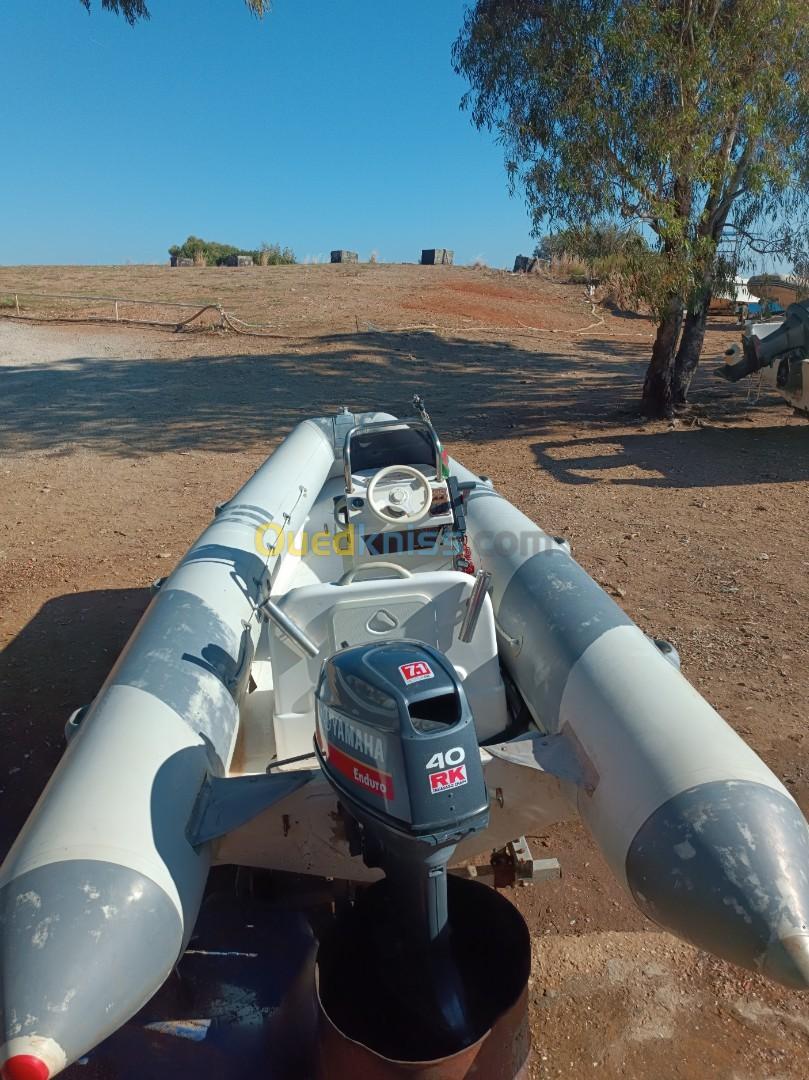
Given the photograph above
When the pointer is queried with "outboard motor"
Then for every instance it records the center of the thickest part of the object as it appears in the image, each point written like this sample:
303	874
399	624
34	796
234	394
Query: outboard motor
792	336
396	739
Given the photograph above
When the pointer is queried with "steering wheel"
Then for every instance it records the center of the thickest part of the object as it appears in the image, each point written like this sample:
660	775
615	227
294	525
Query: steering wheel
400	495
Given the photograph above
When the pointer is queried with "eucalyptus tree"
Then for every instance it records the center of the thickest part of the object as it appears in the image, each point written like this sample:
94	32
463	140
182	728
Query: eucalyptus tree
133	10
689	117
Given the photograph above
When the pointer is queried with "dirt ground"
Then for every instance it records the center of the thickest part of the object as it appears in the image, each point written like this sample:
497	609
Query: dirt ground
116	443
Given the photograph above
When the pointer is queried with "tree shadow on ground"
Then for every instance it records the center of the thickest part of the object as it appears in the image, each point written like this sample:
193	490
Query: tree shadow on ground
626	313
56	664
131	407
681	457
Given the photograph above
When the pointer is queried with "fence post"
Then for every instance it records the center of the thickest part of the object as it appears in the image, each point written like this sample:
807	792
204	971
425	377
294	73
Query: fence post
116	311
17	303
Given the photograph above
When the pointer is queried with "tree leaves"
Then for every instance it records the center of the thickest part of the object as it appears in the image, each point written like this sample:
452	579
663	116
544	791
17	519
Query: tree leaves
653	111
676	115
134	10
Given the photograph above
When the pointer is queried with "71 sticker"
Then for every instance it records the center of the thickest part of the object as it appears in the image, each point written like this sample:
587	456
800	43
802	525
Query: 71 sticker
416	671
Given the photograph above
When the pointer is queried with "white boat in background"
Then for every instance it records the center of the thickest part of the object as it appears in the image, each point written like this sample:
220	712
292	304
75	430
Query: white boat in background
735	297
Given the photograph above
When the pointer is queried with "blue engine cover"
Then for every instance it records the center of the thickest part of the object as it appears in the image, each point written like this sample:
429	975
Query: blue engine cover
396	737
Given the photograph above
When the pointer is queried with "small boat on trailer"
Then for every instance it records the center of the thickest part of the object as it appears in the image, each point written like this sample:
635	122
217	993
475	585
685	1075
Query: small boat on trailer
372	668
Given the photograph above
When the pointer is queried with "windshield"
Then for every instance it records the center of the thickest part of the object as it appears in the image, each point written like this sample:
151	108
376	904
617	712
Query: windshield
394	446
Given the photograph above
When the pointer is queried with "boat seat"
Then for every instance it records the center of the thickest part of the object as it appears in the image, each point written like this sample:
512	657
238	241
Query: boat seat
427	607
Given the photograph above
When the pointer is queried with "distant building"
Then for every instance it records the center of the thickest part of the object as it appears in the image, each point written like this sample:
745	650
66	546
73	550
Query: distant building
341	256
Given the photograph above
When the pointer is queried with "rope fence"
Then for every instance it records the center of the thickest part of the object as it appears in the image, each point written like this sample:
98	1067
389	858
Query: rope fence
227	320
224	320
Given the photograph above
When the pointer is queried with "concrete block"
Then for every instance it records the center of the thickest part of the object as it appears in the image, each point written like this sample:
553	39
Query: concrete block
437	257
525	264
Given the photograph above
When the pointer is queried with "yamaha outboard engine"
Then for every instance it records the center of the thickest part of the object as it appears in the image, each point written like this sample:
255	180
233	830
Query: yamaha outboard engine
396	739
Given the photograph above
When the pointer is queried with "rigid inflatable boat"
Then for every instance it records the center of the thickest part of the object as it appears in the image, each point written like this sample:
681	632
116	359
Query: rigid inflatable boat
370	658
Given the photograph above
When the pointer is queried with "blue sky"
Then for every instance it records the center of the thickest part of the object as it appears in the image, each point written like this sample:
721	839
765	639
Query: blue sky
326	125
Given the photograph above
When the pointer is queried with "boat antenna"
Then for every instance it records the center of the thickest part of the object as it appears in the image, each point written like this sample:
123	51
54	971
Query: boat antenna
421	409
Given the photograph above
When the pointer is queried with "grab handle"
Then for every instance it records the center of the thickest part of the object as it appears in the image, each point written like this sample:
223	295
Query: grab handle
290	628
349	575
474	605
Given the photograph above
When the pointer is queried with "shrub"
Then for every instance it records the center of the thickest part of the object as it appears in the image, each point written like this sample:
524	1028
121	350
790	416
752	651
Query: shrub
273	255
569	267
592	252
212	253
579	275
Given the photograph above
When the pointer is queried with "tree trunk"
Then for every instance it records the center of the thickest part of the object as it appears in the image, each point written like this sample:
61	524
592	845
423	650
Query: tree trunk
688	354
658	394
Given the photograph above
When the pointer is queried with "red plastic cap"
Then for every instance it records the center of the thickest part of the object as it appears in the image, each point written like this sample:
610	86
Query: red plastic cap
25	1067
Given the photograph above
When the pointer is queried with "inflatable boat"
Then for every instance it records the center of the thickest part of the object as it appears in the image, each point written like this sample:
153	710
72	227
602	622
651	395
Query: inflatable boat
371	659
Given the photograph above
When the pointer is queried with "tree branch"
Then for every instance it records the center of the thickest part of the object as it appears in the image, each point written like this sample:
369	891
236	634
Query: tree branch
132	10
734	188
